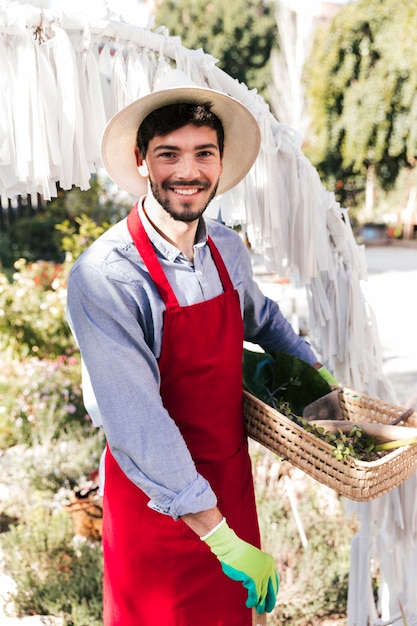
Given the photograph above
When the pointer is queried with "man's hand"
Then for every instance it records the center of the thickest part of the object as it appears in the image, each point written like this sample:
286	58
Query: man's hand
243	562
328	377
325	374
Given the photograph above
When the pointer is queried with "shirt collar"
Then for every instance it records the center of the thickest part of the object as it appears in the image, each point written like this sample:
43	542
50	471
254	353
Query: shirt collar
166	249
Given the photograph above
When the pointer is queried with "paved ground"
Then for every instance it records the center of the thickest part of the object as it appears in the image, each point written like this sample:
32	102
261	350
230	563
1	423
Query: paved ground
391	292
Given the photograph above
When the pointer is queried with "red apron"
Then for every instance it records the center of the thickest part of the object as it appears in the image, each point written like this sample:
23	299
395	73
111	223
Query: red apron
157	572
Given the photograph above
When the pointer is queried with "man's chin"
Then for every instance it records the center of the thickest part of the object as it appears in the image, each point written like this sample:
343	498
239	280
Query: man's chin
182	211
185	214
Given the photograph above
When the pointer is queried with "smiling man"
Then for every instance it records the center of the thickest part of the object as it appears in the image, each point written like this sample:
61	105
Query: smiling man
160	306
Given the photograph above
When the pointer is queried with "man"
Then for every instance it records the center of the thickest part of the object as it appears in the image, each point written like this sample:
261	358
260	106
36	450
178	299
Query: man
160	306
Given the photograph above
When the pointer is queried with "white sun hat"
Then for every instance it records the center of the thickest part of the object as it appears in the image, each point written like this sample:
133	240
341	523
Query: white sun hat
241	132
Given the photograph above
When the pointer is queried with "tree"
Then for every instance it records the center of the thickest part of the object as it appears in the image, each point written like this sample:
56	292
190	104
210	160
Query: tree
362	88
240	34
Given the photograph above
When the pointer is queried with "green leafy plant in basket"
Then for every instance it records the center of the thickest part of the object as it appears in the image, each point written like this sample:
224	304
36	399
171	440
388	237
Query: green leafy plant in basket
289	384
282	380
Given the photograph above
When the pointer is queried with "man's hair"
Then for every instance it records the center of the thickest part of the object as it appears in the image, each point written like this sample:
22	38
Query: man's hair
174	116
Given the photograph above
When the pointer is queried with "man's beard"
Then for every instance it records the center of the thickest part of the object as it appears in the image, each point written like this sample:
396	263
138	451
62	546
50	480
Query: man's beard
184	214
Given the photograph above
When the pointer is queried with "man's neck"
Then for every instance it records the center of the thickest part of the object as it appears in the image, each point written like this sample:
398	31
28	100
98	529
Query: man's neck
180	234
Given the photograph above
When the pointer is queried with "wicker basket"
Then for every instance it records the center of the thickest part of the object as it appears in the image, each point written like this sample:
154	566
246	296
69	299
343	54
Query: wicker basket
357	480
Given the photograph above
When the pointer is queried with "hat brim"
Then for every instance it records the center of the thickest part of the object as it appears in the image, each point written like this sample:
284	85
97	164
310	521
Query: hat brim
241	136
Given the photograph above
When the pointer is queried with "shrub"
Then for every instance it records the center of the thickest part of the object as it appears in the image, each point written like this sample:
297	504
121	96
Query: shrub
53	573
48	445
40	400
49	471
33	238
33	234
32	311
78	234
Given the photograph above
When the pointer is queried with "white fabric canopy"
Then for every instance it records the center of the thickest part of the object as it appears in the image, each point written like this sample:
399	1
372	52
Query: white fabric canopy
64	75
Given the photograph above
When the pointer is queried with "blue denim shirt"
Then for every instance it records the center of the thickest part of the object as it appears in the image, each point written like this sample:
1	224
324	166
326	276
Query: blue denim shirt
116	316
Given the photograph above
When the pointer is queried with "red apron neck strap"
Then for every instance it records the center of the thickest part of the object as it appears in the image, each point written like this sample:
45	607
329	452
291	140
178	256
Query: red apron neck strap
221	268
145	249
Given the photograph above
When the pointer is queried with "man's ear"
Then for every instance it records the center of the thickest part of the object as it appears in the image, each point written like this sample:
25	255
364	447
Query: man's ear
141	163
143	169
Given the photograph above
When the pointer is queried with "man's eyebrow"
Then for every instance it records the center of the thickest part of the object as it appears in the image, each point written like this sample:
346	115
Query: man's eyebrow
165	147
204	146
207	145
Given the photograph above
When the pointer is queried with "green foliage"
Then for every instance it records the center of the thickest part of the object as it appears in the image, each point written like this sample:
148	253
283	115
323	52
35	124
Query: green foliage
289	384
240	34
77	235
32	311
33	297
362	85
47	471
390	201
281	378
53	574
48	445
98	203
32	238
37	237
40	400
354	443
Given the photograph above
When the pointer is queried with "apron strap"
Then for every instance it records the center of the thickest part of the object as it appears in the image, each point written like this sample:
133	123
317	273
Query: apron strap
221	267
143	243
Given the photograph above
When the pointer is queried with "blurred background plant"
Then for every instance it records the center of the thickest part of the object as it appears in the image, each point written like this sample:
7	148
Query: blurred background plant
304	525
48	446
32	311
54	573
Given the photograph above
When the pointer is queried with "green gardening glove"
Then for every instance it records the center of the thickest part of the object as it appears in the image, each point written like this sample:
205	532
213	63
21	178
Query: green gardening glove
243	562
327	376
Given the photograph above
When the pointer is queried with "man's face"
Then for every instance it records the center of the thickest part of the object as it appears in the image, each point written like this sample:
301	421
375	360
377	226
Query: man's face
184	168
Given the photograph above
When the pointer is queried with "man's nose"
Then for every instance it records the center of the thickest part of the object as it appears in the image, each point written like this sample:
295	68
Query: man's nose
188	167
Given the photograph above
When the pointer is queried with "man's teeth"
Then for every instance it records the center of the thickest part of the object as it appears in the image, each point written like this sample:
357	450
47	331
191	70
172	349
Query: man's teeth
186	192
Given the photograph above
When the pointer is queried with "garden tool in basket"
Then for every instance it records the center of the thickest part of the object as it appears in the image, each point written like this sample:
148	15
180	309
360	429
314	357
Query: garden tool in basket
325	408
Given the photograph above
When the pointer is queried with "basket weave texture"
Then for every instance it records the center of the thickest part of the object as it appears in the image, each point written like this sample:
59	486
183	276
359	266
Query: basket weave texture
357	480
